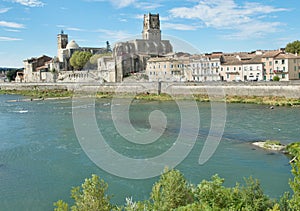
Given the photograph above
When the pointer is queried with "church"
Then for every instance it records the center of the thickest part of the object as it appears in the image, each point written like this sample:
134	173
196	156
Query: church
127	57
65	50
132	56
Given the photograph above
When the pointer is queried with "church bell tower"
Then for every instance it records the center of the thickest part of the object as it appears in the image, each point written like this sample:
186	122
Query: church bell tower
151	30
62	40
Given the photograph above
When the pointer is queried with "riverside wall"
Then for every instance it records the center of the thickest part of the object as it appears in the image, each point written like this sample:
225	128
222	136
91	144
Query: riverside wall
282	89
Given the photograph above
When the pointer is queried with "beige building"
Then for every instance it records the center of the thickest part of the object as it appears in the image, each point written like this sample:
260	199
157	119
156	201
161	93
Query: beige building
35	68
268	62
242	67
165	69
287	67
107	69
205	67
284	65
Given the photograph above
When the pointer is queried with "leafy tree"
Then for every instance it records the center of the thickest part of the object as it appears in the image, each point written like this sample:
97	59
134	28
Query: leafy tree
11	74
61	206
94	58
276	78
294	149
90	196
171	191
79	59
293	47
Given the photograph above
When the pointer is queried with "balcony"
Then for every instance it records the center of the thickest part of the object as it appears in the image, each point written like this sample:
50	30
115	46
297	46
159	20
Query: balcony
279	71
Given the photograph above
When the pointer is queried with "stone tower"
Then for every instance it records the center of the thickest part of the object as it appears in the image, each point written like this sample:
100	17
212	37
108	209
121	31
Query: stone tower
151	30
62	40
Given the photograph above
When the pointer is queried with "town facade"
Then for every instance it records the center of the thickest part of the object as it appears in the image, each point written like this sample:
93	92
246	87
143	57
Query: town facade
154	57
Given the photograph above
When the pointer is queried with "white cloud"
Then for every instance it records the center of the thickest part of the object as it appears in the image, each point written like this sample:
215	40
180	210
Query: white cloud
116	3
179	26
6	39
74	29
245	20
12	30
122	3
4	10
147	5
114	35
11	25
30	3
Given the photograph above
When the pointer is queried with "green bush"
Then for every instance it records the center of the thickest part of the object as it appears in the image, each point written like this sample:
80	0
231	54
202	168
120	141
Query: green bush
173	192
276	78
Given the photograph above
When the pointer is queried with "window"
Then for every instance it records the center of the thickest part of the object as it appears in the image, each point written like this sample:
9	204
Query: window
240	68
283	68
276	61
227	76
295	68
150	73
282	61
251	68
234	68
270	63
227	68
283	75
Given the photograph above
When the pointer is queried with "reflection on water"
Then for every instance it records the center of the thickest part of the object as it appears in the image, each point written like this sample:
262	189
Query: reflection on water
41	159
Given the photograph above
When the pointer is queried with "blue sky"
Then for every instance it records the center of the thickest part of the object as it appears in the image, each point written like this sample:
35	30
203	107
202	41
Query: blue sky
28	28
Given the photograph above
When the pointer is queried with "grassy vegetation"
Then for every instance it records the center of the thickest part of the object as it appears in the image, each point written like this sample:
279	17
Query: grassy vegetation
274	101
54	93
35	93
293	149
269	144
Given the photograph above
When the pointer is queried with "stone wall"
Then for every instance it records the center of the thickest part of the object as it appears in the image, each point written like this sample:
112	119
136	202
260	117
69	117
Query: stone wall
282	89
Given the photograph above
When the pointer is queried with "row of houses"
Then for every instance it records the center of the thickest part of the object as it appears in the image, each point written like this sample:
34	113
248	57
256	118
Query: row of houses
154	56
218	66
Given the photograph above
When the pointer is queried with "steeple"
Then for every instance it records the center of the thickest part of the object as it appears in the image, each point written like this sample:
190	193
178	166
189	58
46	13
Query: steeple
62	40
151	29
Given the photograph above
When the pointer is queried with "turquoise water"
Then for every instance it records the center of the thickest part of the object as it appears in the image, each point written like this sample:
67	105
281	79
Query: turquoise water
41	158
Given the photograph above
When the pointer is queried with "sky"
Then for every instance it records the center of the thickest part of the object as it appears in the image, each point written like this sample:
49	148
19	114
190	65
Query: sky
29	28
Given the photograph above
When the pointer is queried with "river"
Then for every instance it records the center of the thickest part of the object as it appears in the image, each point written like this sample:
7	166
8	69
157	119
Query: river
41	158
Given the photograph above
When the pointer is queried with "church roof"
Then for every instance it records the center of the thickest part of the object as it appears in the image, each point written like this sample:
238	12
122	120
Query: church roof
72	45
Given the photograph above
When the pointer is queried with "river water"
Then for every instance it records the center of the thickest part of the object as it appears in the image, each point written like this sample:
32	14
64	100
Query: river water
41	158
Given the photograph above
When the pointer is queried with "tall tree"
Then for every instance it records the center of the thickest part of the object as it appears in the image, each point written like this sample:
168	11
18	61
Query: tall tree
79	59
108	49
90	196
293	47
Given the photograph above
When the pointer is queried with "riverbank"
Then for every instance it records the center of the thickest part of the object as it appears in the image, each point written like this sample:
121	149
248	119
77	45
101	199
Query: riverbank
63	93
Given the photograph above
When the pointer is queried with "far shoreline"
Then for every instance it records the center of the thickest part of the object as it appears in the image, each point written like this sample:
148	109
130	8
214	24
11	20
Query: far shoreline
56	94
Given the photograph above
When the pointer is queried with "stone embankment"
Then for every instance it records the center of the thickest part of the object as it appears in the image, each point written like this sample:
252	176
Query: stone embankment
260	89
